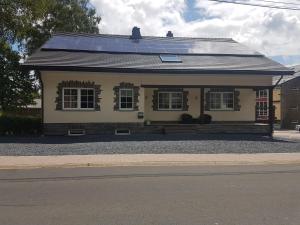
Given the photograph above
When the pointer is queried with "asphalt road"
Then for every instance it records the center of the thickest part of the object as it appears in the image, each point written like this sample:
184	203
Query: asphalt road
232	195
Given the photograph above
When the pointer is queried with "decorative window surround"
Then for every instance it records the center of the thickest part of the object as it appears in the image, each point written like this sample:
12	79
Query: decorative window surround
155	99
136	94
236	100
78	85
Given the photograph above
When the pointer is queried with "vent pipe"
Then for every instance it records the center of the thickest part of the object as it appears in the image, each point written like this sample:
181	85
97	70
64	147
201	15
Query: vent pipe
136	34
169	34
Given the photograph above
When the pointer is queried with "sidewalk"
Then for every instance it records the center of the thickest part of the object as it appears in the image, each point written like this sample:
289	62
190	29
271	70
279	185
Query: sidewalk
27	162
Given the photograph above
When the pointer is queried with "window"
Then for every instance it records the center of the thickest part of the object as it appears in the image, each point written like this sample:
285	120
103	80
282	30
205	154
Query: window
78	98
262	109
126	99
262	93
170	58
221	100
170	100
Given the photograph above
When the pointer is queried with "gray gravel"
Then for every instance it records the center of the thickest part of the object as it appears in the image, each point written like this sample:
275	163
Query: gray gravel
134	144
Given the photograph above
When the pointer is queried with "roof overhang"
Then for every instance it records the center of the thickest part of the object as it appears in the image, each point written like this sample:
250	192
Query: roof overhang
159	71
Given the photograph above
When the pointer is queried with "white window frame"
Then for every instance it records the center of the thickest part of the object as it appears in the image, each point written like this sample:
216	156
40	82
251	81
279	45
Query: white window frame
223	107
126	89
261	112
78	99
170	100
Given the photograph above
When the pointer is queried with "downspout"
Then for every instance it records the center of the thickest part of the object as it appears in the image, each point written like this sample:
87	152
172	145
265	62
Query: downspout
274	86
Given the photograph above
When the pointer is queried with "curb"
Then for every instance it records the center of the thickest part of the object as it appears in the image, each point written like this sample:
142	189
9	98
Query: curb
70	161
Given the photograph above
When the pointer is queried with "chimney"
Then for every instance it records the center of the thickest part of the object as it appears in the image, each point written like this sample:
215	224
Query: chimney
136	34
169	34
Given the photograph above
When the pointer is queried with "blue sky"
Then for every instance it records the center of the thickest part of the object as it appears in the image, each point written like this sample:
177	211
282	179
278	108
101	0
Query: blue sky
272	32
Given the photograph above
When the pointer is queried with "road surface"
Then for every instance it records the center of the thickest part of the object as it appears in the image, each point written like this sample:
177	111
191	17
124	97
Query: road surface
214	195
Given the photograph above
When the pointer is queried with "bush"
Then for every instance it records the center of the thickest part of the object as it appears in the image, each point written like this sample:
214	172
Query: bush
19	125
205	119
186	118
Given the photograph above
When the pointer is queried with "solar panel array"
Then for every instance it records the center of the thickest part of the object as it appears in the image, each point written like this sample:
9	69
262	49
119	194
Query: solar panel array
146	45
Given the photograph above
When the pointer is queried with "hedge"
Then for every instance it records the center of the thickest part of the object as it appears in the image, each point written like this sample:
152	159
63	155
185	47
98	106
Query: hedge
16	125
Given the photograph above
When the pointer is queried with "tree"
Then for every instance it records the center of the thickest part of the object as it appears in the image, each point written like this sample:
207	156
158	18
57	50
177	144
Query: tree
24	26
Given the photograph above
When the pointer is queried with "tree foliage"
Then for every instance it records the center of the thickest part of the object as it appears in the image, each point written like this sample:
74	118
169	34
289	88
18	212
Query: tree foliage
24	26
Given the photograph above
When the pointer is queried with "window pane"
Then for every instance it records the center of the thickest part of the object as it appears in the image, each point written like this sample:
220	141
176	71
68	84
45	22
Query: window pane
67	91
129	105
67	104
129	93
83	92
91	105
176	100
90	92
73	104
228	100
163	100
123	105
83	104
91	98
74	91
215	100
70	98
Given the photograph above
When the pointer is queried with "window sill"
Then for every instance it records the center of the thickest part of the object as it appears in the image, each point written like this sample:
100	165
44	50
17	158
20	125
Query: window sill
126	110
220	110
172	110
78	110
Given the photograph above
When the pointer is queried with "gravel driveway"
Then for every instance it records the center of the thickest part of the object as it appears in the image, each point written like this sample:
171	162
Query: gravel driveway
134	144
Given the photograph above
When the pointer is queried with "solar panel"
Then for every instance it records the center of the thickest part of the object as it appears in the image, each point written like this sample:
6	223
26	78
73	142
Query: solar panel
122	44
170	58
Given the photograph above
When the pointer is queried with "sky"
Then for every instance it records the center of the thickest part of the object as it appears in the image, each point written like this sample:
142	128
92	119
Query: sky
273	32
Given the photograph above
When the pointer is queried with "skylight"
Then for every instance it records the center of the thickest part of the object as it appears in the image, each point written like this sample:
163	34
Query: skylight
170	58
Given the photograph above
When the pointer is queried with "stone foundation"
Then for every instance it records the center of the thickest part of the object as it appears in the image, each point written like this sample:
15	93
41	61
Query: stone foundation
90	128
109	128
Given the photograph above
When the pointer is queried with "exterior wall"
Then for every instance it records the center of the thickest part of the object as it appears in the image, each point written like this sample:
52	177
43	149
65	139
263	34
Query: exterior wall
276	103
290	103
108	80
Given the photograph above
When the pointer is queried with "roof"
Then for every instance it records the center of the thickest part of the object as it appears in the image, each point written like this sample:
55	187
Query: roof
296	68
120	53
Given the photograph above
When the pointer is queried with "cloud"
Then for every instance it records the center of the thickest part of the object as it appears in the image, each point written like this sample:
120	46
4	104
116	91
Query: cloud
270	31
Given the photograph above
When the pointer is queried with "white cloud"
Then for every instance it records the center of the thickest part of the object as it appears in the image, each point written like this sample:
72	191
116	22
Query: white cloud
270	31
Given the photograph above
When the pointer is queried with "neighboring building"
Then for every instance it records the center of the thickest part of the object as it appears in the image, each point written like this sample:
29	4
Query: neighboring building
100	83
290	101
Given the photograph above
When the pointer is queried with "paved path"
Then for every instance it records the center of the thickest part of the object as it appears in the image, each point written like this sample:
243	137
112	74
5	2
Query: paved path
243	195
290	135
15	162
145	144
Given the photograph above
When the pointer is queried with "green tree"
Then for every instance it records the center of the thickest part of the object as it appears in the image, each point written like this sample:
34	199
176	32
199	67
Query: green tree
24	26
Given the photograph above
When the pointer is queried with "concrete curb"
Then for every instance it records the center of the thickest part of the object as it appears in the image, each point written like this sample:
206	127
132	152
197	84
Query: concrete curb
29	162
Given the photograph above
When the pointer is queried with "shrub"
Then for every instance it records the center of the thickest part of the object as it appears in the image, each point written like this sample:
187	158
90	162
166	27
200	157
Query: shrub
19	125
186	118
205	119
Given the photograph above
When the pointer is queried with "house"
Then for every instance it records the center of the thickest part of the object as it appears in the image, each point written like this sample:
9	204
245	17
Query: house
117	83
290	100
